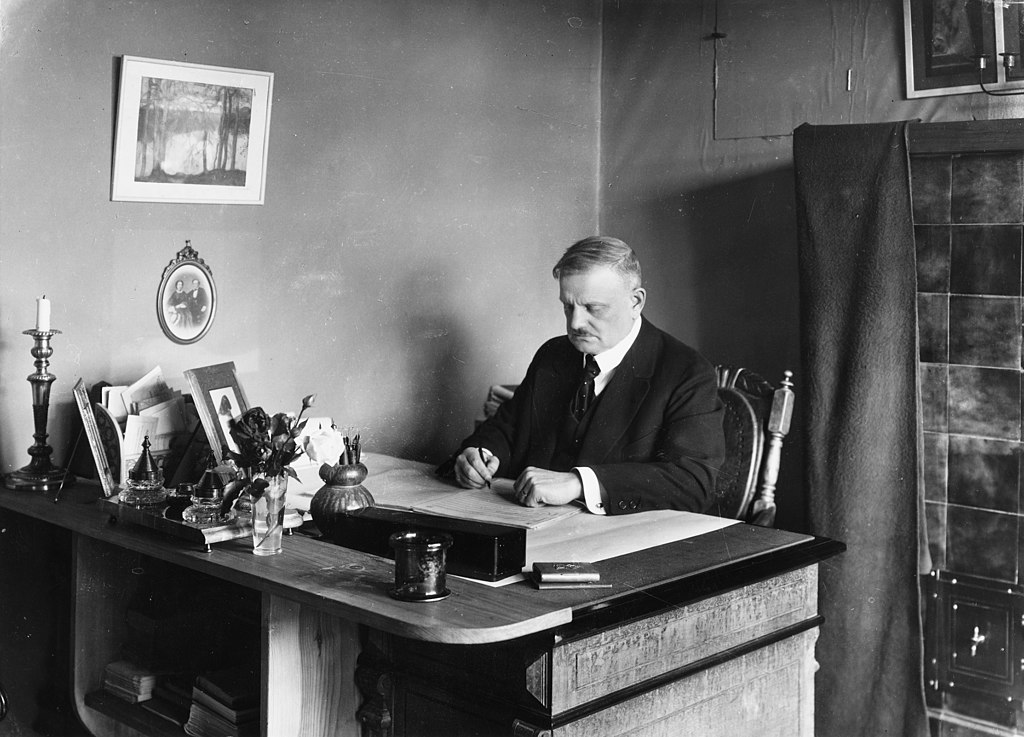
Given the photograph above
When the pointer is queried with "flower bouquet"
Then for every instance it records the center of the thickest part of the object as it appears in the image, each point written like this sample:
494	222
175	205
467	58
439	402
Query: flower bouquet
267	446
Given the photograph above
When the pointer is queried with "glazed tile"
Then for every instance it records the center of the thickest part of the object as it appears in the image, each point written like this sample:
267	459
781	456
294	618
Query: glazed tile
933	327
935	526
984	401
984	473
987	188
983	331
936	449
934	413
932	246
985	259
981	543
930	178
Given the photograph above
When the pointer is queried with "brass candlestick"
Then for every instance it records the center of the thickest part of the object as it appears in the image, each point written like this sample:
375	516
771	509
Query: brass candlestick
40	474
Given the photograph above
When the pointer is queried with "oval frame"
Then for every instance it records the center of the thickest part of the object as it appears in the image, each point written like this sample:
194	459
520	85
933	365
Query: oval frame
185	315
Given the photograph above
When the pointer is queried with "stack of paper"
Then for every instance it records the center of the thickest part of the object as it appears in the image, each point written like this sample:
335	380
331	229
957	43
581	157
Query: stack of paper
128	681
124	416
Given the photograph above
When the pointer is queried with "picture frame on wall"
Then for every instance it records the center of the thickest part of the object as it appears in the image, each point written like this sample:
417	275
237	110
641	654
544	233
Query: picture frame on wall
218	398
191	133
943	40
186	301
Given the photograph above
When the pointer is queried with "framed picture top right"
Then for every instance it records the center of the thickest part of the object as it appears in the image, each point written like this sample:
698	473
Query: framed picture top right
956	47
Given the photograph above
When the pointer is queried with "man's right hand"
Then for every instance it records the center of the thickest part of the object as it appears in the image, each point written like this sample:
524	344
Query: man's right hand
472	471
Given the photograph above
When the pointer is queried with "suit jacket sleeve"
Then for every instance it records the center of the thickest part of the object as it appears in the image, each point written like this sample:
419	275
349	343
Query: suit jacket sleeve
506	434
676	466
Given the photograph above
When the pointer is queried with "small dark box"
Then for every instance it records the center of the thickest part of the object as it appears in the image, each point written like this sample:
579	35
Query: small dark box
482	550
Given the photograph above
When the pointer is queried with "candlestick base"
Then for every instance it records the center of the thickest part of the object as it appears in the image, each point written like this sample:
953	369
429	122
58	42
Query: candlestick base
31	479
40	474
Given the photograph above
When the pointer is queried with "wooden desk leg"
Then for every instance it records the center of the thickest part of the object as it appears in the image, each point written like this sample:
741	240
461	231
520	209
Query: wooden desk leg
309	687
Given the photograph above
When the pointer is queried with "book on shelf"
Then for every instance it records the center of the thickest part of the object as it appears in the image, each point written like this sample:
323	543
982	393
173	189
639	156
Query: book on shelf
128	681
236	687
236	715
176	714
176	690
203	722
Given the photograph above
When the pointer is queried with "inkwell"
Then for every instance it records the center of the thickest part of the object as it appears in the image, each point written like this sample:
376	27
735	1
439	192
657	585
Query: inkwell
145	487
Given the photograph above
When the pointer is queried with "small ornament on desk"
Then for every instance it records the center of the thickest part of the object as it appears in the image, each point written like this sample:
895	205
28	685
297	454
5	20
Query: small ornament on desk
343	492
145	487
207	498
40	474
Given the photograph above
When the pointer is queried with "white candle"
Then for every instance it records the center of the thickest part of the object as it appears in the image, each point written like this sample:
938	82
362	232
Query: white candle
42	313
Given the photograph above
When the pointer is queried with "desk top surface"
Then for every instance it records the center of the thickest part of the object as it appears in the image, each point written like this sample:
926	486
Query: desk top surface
353	585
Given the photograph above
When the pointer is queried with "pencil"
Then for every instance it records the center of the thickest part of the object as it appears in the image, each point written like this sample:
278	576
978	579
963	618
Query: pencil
482	458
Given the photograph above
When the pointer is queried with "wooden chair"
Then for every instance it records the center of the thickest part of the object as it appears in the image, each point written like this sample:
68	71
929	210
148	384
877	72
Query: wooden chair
757	418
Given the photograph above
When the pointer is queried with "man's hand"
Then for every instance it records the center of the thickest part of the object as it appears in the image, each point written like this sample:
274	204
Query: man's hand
472	471
536	487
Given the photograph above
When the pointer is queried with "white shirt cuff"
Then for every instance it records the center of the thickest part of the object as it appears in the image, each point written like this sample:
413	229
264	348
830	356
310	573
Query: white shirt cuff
591	490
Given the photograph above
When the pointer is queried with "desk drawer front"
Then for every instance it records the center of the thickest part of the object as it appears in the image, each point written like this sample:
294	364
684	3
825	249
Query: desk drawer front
766	693
620	657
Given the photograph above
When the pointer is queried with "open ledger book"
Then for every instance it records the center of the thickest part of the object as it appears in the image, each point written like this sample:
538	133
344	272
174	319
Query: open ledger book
496	504
417	490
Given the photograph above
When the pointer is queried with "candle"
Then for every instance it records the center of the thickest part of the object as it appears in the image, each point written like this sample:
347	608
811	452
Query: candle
42	313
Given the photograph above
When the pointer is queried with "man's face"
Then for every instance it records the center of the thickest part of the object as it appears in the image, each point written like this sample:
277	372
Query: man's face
600	308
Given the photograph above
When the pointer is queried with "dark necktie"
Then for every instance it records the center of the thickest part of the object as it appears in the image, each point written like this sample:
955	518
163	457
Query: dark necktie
585	392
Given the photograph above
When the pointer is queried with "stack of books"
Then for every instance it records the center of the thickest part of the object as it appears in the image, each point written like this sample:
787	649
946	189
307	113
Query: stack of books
172	697
128	681
225	703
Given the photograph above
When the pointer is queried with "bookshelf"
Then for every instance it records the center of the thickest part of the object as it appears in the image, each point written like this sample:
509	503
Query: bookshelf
164	618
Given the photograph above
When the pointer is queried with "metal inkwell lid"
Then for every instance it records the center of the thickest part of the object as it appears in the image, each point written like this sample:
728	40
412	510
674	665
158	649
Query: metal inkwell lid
145	482
210	487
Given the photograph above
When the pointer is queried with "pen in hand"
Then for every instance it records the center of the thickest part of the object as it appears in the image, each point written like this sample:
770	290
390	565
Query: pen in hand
484	459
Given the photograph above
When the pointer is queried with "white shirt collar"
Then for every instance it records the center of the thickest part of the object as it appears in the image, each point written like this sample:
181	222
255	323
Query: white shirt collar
611	358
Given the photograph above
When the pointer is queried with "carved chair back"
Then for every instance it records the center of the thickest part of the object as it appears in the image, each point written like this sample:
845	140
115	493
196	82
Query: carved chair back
757	419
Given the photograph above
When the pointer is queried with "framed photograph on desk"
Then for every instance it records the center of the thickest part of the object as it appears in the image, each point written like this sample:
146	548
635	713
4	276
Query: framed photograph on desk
218	397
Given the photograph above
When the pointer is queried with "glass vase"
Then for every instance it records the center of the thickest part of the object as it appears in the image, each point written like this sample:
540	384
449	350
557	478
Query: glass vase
268	517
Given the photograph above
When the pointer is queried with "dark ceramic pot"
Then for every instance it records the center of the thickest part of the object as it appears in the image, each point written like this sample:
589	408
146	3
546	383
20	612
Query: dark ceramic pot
342	494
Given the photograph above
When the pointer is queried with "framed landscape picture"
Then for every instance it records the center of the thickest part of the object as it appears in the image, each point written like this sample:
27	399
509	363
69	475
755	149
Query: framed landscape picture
191	133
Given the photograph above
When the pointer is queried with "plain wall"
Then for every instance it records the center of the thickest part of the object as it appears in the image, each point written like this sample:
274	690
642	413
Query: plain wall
713	219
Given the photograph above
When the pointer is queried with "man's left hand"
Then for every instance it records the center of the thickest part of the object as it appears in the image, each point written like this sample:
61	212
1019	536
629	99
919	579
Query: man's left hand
536	487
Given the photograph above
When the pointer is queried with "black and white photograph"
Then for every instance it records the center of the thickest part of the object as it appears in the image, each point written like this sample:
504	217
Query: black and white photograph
187	297
512	368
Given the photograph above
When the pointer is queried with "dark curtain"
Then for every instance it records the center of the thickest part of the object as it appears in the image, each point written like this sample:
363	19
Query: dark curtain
858	285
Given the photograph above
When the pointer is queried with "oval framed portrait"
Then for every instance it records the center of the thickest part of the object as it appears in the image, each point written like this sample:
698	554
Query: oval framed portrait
186	301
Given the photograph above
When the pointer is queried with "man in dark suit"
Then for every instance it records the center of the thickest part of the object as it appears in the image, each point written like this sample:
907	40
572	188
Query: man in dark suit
616	414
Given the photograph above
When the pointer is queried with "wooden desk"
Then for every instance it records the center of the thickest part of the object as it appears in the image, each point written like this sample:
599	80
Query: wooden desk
713	635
